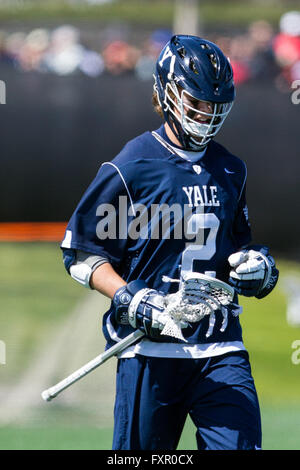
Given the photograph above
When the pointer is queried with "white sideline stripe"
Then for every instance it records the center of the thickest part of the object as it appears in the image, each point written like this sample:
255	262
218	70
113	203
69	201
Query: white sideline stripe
124	182
57	354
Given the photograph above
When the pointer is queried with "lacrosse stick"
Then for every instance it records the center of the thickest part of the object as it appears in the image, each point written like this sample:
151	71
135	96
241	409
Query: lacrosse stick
199	295
52	392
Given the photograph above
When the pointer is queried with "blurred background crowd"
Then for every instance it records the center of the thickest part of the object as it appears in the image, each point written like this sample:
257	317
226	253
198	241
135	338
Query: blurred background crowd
261	51
78	84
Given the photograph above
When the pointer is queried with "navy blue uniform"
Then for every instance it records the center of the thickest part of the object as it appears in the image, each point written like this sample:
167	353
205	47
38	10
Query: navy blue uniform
152	212
147	173
154	396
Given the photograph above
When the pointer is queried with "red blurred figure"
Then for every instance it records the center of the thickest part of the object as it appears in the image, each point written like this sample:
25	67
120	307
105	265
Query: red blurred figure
120	57
241	72
286	46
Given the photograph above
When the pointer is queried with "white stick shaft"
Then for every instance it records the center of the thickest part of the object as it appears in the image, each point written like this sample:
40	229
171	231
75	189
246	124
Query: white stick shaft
52	392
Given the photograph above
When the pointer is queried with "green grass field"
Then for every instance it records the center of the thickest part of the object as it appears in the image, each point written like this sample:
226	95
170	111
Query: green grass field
151	12
46	338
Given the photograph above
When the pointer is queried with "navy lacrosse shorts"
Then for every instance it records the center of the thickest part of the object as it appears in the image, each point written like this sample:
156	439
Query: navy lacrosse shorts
155	395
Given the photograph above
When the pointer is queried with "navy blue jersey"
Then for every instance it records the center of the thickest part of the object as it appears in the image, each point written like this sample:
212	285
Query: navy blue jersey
153	214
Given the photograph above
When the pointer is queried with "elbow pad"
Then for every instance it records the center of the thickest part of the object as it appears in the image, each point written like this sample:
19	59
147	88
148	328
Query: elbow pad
81	273
81	265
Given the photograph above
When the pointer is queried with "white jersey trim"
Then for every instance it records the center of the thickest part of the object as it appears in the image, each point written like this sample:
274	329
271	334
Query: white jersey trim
190	156
244	182
147	347
124	182
66	243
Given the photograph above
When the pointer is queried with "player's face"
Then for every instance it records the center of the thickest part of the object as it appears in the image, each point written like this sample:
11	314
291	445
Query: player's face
199	111
201	120
194	115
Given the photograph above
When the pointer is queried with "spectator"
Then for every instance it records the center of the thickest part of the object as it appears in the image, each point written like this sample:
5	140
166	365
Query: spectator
32	50
13	44
4	57
262	63
65	53
92	64
241	52
119	57
286	46
145	66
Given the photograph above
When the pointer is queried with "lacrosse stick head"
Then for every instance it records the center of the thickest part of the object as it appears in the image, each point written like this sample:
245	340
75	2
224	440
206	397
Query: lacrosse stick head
195	283
198	296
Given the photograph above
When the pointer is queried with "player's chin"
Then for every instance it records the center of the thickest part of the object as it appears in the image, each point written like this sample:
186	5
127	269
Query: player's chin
197	139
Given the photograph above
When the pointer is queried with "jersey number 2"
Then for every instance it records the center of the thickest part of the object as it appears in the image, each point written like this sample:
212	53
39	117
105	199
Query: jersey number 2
200	250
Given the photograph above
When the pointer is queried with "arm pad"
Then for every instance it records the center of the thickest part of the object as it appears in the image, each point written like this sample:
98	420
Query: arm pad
81	265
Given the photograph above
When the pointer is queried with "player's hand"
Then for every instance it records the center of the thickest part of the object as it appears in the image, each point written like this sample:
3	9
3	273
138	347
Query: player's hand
254	272
141	307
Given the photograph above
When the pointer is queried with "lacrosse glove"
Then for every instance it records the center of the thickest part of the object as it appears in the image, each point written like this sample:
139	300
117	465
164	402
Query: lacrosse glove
141	307
254	272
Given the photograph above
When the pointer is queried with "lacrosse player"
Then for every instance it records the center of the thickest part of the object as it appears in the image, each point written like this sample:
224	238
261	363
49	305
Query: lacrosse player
169	206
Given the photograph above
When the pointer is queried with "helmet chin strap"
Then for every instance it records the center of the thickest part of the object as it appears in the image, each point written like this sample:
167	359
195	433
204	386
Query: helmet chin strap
197	147
182	137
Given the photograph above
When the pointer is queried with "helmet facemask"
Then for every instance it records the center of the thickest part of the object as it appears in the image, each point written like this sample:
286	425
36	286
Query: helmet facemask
177	103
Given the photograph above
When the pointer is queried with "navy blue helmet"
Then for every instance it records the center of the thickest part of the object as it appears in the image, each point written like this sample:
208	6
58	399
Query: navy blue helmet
191	69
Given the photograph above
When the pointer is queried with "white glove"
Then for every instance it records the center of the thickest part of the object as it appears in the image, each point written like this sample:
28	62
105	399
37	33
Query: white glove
254	272
248	265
